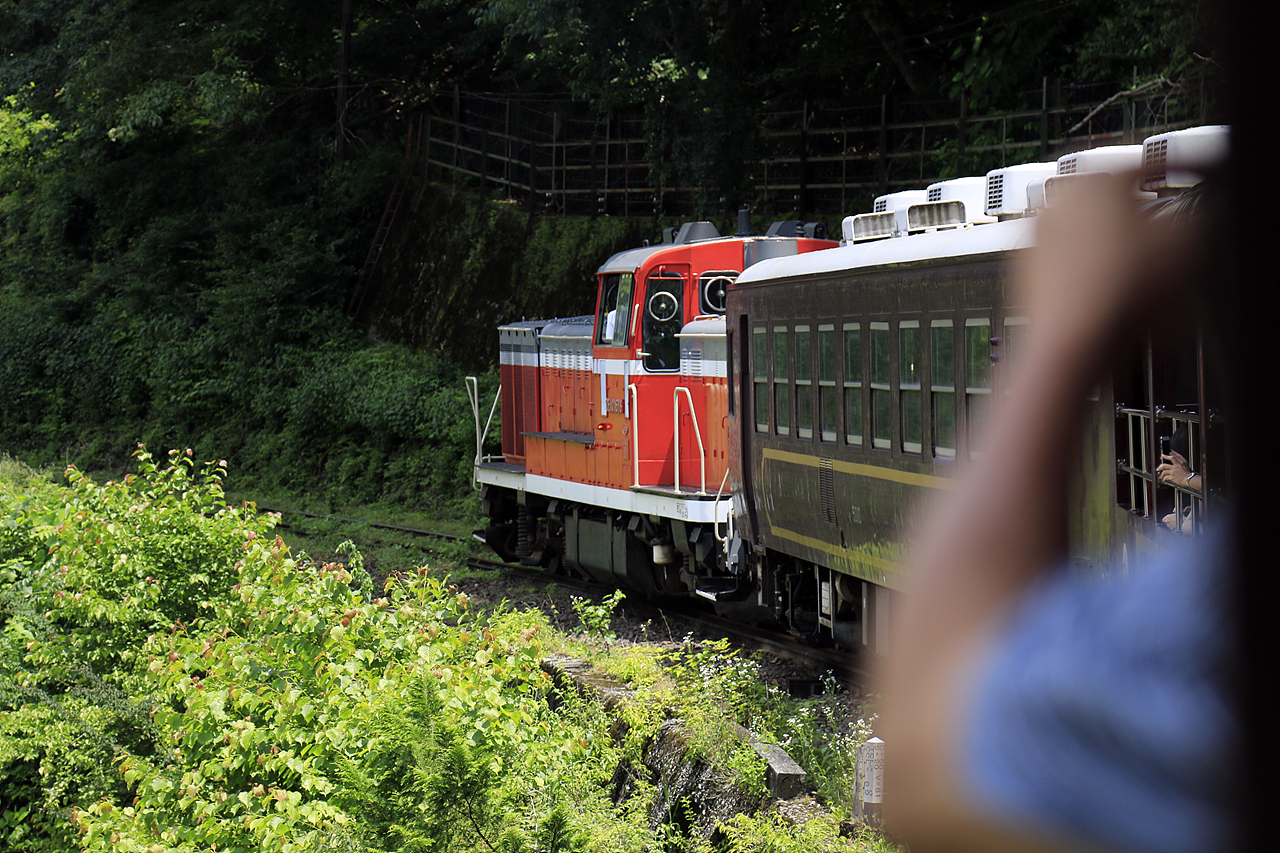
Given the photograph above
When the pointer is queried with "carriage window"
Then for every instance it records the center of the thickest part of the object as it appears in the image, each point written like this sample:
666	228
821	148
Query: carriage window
781	381
853	384
804	382
881	404
713	289
942	387
760	374
909	370
1015	330
662	320
615	309
977	374
828	407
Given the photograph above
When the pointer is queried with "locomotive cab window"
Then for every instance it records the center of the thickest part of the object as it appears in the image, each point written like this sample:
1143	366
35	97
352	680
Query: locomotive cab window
853	384
713	290
881	400
909	371
804	382
942	387
663	317
781	382
828	407
615	309
760	376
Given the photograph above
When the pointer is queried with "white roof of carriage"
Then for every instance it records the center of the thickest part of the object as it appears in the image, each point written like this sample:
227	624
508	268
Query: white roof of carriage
971	240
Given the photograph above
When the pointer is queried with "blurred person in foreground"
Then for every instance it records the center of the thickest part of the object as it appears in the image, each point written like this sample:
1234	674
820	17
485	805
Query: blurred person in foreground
1028	707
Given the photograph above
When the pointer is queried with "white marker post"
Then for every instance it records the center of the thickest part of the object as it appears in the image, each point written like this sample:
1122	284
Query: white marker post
870	782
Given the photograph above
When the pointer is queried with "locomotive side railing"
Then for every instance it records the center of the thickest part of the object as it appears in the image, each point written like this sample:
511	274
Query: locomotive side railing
693	415
473	394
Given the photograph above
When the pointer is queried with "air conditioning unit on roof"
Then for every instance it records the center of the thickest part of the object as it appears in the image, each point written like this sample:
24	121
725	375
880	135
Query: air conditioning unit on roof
1112	158
898	201
971	191
1007	188
1180	158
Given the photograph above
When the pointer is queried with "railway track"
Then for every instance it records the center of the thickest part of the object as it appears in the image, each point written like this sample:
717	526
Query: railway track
395	528
849	667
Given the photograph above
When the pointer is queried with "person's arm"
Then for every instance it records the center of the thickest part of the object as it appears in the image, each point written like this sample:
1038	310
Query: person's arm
1097	267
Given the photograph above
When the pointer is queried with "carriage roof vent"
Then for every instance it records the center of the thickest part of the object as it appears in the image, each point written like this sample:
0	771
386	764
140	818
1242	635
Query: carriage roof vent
932	215
867	226
971	191
1180	158
894	204
1007	188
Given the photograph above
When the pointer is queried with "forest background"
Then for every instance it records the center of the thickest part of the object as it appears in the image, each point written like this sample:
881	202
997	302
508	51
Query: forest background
188	189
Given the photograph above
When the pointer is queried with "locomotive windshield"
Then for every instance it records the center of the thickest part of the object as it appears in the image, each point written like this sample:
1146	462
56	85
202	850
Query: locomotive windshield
713	289
663	317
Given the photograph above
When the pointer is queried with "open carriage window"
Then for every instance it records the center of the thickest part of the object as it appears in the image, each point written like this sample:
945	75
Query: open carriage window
615	309
1161	436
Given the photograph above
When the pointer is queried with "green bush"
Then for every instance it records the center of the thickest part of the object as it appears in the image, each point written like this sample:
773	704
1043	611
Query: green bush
172	678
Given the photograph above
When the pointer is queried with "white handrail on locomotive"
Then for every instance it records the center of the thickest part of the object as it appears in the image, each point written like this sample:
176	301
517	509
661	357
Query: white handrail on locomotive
634	395
728	521
473	394
702	453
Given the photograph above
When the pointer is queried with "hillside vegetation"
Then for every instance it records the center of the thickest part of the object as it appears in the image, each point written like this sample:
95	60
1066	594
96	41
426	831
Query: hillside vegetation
188	190
174	678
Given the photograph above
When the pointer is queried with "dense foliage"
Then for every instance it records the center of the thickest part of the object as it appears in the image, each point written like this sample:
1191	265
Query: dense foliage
188	189
173	678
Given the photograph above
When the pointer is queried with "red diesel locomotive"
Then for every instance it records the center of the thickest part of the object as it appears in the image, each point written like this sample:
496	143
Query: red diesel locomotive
614	439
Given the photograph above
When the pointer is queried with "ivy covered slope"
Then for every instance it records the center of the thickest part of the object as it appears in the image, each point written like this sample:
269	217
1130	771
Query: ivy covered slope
172	678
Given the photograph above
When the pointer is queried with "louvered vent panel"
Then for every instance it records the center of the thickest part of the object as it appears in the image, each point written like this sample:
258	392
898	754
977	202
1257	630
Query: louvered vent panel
1155	160
995	192
826	490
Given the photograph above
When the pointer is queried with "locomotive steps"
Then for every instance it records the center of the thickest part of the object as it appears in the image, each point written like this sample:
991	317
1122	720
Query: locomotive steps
686	788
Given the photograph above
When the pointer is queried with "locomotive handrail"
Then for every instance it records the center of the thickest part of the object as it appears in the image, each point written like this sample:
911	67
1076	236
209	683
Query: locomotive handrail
728	524
702	453
473	394
634	396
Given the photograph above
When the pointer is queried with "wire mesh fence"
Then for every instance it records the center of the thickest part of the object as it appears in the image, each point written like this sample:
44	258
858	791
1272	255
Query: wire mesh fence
810	160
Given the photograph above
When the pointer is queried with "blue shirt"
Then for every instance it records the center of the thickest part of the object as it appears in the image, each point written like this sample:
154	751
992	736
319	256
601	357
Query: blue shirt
1101	712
